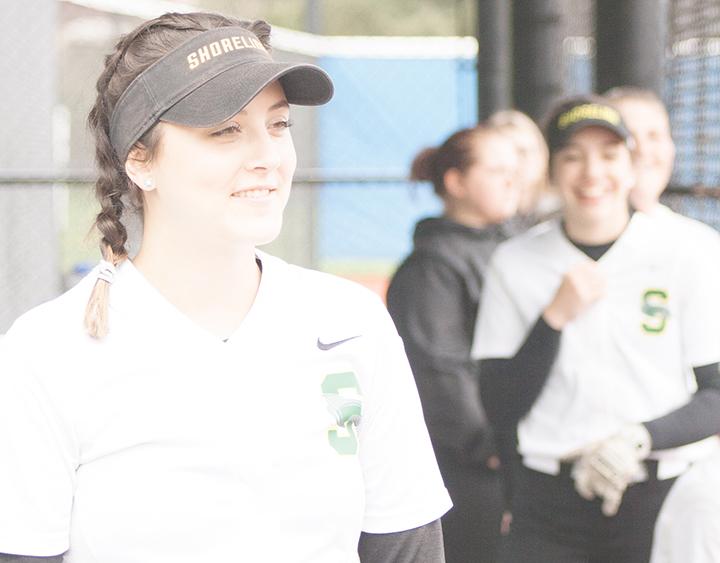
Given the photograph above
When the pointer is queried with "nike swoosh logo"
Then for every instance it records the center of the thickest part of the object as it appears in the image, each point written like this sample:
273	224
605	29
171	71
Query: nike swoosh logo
330	345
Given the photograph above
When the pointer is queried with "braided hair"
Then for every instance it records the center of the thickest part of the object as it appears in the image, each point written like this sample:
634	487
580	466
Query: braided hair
134	53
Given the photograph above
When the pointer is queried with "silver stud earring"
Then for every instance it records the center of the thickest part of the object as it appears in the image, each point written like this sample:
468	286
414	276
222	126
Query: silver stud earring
148	183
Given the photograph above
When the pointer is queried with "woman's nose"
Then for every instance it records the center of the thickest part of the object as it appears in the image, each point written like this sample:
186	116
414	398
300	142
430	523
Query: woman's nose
593	167
262	152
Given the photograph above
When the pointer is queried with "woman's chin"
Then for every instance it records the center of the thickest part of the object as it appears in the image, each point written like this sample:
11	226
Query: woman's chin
255	231
267	235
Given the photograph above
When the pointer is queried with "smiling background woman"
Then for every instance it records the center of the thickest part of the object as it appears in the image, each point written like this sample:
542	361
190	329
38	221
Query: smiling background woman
204	401
599	337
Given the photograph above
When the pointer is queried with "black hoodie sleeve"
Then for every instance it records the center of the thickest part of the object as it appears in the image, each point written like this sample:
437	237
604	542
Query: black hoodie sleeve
434	311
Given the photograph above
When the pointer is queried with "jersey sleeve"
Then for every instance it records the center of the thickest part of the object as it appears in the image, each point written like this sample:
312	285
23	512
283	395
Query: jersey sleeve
403	486
700	307
37	465
500	328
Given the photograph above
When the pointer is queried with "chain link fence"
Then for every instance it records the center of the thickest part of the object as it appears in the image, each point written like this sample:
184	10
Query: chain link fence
693	99
351	213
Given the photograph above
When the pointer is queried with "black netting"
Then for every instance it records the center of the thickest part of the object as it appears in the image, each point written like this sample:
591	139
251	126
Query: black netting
693	90
693	99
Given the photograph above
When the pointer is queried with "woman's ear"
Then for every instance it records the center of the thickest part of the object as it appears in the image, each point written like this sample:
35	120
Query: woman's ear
138	169
454	186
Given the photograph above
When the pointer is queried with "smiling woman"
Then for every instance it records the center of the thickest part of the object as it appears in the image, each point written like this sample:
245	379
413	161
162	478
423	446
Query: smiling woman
593	170
223	187
598	339
202	400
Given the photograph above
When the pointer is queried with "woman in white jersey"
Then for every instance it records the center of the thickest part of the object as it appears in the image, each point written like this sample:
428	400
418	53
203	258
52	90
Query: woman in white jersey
204	401
599	337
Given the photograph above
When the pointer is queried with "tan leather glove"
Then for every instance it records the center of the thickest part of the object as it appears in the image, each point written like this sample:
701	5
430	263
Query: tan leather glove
606	469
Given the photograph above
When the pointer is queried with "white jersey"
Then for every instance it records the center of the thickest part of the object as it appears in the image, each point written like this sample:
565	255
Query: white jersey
688	527
629	357
162	443
690	231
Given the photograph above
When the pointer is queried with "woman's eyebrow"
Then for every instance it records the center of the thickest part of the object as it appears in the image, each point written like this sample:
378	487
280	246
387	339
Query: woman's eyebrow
607	143
278	105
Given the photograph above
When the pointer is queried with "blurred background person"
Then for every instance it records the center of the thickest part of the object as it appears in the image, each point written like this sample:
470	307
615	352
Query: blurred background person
537	201
433	299
591	328
688	527
647	118
654	151
654	157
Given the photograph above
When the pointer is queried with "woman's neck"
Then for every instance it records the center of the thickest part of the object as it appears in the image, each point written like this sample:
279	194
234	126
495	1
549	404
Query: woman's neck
598	232
214	286
462	216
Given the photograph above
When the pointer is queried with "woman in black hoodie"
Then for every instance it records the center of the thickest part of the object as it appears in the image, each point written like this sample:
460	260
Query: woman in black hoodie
433	299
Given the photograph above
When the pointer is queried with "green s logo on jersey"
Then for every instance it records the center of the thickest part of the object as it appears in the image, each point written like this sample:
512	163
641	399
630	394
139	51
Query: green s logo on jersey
655	311
342	393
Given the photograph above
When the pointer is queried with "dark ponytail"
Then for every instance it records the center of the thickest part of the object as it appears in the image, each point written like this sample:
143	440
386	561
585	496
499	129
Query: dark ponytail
457	152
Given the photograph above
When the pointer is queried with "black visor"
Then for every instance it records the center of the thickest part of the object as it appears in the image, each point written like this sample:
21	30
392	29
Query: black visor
207	80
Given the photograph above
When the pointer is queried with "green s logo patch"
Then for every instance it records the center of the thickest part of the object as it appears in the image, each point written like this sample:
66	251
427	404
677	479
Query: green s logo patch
342	393
655	311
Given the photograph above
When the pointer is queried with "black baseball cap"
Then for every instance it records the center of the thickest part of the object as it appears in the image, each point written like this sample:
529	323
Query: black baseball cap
575	114
207	80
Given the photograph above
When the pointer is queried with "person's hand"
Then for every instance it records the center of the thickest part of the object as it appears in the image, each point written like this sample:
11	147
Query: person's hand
607	469
581	286
589	483
493	463
505	523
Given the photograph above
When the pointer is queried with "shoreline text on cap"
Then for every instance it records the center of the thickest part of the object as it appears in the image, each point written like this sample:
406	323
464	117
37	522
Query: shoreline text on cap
217	48
588	111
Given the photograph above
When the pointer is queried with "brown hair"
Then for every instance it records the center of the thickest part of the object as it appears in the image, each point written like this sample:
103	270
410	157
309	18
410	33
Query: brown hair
134	53
515	121
619	94
456	152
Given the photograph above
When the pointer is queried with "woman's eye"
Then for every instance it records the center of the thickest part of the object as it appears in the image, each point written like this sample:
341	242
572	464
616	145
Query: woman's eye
229	130
570	157
281	124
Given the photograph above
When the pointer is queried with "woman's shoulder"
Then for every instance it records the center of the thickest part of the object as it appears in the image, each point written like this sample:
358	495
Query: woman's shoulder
309	284
677	238
685	229
58	317
336	308
538	239
428	262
